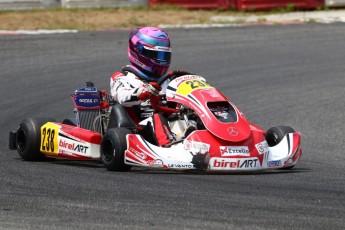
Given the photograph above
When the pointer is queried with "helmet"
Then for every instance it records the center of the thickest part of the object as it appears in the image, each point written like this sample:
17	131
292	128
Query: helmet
149	50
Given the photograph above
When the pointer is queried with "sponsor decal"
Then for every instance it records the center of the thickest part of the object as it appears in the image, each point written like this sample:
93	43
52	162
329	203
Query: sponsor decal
90	89
146	115
196	146
180	166
187	77
137	153
272	164
232	131
260	148
226	151
187	145
160	48
156	163
294	158
66	153
73	146
263	148
233	163
250	163
288	162
87	100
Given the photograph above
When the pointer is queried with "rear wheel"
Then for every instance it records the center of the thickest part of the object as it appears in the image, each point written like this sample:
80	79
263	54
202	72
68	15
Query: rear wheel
275	134
28	138
113	149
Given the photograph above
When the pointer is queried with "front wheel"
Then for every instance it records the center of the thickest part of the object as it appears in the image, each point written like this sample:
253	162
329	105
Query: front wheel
276	134
28	138
113	149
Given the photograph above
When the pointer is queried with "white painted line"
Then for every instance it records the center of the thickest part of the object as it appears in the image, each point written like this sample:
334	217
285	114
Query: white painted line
253	23
35	32
187	26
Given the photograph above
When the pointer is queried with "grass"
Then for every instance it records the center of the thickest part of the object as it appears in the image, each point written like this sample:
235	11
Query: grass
105	18
110	18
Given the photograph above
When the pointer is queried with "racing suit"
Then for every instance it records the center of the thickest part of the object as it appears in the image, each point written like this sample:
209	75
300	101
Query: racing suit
124	88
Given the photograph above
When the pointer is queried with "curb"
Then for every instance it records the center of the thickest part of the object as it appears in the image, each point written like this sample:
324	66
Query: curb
325	17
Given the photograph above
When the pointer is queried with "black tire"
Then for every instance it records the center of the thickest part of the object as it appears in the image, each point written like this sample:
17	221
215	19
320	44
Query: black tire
113	149
70	121
275	134
28	138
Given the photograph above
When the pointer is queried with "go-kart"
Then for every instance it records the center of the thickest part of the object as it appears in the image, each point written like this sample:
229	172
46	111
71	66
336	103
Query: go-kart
210	133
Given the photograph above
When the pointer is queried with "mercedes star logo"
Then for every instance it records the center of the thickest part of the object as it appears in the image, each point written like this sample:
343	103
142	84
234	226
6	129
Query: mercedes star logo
232	131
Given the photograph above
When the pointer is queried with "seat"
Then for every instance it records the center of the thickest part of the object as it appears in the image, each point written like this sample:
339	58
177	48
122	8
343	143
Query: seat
120	118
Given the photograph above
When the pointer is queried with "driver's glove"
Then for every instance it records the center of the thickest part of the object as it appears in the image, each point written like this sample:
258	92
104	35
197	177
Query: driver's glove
154	87
151	89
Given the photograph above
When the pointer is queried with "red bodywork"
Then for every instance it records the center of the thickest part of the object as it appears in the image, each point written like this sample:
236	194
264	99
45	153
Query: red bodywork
275	4
225	144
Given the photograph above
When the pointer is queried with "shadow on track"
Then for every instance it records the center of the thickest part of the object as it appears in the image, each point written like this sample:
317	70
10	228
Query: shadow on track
143	170
201	172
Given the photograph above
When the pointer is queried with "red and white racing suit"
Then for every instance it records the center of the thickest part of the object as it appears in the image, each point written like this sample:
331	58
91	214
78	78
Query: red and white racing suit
124	87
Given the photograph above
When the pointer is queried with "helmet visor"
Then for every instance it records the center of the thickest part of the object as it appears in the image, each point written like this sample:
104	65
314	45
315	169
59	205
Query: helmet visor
157	54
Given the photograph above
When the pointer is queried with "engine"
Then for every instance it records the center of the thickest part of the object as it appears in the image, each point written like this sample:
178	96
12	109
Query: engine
91	108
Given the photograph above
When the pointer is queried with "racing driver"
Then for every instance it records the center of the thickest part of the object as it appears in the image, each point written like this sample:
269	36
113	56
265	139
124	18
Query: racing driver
149	52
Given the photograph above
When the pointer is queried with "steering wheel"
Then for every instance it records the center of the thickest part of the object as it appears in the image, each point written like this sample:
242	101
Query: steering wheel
172	75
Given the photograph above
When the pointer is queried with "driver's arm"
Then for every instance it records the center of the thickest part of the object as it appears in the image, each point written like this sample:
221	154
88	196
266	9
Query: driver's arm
124	89
129	91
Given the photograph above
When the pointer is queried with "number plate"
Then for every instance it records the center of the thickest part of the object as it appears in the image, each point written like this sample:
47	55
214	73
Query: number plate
189	86
49	138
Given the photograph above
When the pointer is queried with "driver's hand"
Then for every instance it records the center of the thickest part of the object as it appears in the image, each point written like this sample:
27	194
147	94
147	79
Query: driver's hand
154	88
148	91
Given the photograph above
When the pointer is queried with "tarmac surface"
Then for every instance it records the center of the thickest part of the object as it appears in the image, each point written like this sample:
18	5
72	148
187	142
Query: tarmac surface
277	75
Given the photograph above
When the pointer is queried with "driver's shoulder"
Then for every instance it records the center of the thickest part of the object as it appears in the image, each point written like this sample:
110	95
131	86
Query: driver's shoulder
117	75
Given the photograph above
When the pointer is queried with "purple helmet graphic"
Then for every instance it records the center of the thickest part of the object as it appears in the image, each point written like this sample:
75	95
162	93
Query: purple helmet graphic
149	50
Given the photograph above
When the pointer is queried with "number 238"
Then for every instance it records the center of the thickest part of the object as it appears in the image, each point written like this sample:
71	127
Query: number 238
48	139
197	83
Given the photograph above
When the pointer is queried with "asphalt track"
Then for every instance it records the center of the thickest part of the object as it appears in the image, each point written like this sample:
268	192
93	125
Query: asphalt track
278	75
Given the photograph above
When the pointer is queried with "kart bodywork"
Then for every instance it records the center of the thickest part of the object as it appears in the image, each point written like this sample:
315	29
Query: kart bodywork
227	141
211	134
